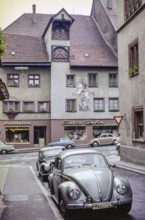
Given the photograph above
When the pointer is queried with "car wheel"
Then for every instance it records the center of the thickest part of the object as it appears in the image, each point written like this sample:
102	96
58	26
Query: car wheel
4	152
125	209
95	144
69	146
62	207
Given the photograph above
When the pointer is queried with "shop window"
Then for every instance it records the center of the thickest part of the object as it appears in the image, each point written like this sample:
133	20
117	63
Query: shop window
131	7
113	80
133	59
28	107
138	123
92	78
99	104
43	107
34	80
11	106
13	80
113	104
17	134
71	105
70	80
76	133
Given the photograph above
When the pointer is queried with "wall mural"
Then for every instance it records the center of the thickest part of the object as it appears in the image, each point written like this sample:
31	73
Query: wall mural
83	96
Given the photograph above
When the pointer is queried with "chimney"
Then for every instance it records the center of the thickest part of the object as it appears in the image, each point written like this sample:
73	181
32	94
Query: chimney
109	4
34	14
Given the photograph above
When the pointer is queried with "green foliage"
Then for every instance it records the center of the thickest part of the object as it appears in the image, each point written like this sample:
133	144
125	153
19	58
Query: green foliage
2	43
133	71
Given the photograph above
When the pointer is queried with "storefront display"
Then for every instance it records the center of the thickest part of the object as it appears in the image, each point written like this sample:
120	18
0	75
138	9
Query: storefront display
17	134
77	133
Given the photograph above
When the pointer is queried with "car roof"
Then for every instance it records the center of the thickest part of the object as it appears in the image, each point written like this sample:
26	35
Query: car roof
51	148
78	151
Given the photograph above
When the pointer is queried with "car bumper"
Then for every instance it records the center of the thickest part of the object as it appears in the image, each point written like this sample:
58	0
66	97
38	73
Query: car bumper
96	206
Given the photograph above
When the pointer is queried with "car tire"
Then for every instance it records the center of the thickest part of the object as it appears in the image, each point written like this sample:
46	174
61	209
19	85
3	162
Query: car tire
63	210
4	152
69	146
95	144
125	209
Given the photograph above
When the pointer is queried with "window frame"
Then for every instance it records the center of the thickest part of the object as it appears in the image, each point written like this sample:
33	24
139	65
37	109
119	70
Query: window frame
137	129
13	75
93	83
73	84
73	107
11	106
133	55
33	79
43	102
28	110
130	8
113	109
113	83
103	104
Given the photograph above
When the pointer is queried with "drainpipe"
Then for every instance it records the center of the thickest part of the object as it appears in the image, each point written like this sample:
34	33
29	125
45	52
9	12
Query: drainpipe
34	14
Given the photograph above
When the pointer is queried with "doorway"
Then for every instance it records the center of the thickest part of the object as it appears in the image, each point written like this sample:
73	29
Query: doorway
40	136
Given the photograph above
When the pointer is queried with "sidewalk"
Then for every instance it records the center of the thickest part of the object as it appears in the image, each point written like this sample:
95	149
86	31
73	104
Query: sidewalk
23	196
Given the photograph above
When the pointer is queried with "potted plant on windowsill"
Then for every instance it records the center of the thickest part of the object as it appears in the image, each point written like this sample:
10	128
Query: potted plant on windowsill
133	71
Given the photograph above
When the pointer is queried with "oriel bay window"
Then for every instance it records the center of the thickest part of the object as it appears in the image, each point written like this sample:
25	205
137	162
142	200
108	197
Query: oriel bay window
17	134
138	123
11	106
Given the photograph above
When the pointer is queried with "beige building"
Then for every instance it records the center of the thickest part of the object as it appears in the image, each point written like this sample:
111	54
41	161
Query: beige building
62	75
131	52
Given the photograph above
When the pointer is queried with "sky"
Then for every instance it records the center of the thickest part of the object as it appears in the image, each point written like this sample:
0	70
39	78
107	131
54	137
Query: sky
10	10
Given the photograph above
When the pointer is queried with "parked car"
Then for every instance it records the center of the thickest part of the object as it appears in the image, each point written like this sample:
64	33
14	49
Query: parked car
6	148
82	179
46	156
69	144
104	139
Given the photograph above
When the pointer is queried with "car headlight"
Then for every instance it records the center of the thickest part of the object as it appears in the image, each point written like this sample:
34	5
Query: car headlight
46	167
122	189
74	193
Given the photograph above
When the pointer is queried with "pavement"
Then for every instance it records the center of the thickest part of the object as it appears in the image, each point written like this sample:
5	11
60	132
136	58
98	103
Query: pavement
21	200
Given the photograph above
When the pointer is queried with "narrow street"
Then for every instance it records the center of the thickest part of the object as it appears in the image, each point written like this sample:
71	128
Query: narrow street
23	165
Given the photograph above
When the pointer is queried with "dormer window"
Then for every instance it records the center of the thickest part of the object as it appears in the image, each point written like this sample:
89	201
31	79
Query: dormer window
60	30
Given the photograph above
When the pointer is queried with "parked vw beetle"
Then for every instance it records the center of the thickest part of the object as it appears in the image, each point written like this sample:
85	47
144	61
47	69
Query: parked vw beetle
82	179
104	139
46	156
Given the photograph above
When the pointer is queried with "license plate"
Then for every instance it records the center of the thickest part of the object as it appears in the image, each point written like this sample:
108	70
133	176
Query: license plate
103	205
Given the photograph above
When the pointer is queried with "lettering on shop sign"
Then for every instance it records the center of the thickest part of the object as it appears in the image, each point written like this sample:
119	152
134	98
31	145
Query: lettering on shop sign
98	122
17	123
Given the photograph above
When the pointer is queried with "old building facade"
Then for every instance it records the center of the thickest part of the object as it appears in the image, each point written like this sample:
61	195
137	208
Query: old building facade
62	76
131	52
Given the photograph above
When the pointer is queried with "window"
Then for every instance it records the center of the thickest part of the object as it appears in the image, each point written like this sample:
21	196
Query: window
138	123
71	105
99	105
131	6
70	81
17	134
11	106
43	107
13	80
34	81
60	54
113	80
92	77
133	59
28	106
113	104
76	133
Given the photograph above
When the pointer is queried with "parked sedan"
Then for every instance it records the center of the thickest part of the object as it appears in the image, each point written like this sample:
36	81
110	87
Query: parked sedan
46	156
104	139
68	144
6	148
82	179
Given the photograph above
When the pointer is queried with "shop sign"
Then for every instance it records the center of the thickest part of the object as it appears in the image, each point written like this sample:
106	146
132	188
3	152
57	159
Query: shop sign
87	122
17	123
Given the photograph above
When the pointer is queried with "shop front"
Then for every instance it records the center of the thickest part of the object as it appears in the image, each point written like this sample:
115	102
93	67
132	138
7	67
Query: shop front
25	134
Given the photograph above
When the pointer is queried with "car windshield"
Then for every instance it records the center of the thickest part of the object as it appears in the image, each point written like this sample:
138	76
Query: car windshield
93	160
52	152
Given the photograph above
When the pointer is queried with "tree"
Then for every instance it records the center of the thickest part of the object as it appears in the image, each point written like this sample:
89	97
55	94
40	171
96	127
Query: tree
2	44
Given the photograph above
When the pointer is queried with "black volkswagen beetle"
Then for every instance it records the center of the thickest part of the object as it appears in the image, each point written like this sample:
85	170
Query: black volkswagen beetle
82	179
46	156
